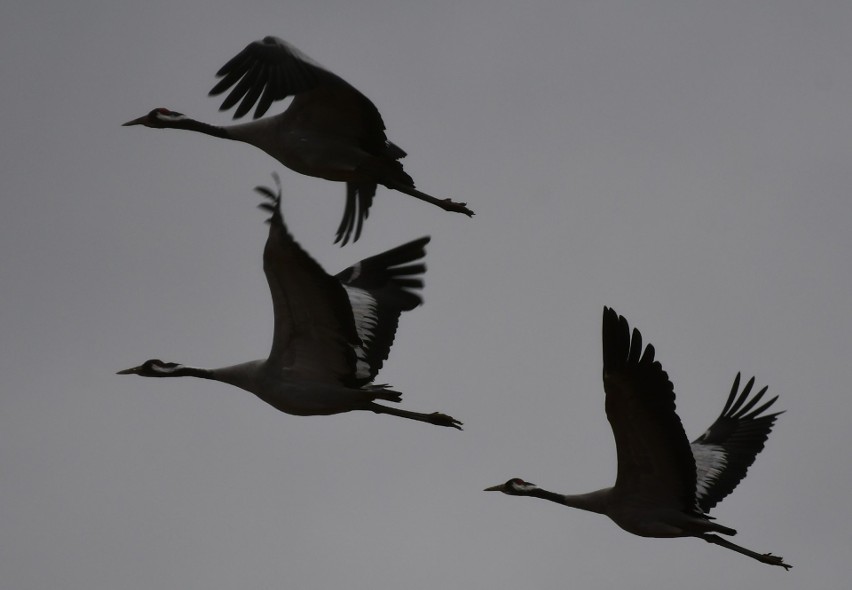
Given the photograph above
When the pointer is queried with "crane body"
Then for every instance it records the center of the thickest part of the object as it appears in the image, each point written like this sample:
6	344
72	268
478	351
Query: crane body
330	130
332	333
665	486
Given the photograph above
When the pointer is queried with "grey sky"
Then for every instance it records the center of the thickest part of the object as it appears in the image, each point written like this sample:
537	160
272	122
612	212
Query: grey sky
686	163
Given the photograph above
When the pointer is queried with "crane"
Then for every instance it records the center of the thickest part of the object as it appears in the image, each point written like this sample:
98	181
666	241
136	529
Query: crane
330	130
665	486
331	333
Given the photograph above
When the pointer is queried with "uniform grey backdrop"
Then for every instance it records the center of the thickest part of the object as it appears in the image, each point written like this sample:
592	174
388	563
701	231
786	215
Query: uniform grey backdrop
686	163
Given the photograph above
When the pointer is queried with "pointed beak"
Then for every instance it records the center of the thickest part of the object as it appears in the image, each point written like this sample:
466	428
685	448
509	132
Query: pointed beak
138	121
133	371
494	488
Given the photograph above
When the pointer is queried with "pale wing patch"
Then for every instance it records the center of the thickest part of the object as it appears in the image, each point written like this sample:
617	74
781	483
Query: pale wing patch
365	314
710	462
354	273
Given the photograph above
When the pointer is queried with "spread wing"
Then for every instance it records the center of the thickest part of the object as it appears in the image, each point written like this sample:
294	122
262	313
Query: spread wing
271	69
727	449
654	458
315	336
326	110
380	288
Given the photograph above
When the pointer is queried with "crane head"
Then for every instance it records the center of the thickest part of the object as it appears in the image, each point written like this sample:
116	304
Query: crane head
158	119
513	487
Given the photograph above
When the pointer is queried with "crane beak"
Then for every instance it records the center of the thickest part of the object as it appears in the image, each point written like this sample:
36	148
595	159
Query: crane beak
133	371
138	121
495	488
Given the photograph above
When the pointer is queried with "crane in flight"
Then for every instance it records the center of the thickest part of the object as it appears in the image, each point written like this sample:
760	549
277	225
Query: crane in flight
331	333
665	486
329	130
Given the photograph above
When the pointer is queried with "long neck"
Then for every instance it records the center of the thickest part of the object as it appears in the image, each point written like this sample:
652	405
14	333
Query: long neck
263	133
593	501
269	134
182	371
248	376
206	128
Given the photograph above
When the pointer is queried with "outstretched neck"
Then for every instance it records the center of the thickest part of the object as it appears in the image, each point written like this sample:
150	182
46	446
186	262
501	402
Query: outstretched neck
592	502
248	376
205	128
184	371
251	376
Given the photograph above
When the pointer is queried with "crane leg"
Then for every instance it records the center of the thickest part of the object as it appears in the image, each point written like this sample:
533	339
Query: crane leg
445	204
436	418
761	557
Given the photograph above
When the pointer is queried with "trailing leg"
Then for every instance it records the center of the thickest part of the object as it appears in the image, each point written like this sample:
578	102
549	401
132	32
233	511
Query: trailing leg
761	557
436	418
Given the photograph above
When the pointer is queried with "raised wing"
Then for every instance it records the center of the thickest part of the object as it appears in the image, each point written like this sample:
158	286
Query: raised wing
380	288
271	69
265	71
326	111
315	335
654	458
727	449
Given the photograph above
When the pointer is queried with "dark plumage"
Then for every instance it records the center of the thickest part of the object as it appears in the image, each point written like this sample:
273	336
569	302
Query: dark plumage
331	335
330	130
665	486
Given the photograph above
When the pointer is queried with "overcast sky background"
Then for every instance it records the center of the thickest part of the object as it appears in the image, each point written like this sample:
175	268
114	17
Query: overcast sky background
686	163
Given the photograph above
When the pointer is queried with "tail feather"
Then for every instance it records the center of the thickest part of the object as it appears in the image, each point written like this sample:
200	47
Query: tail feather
359	199
383	392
